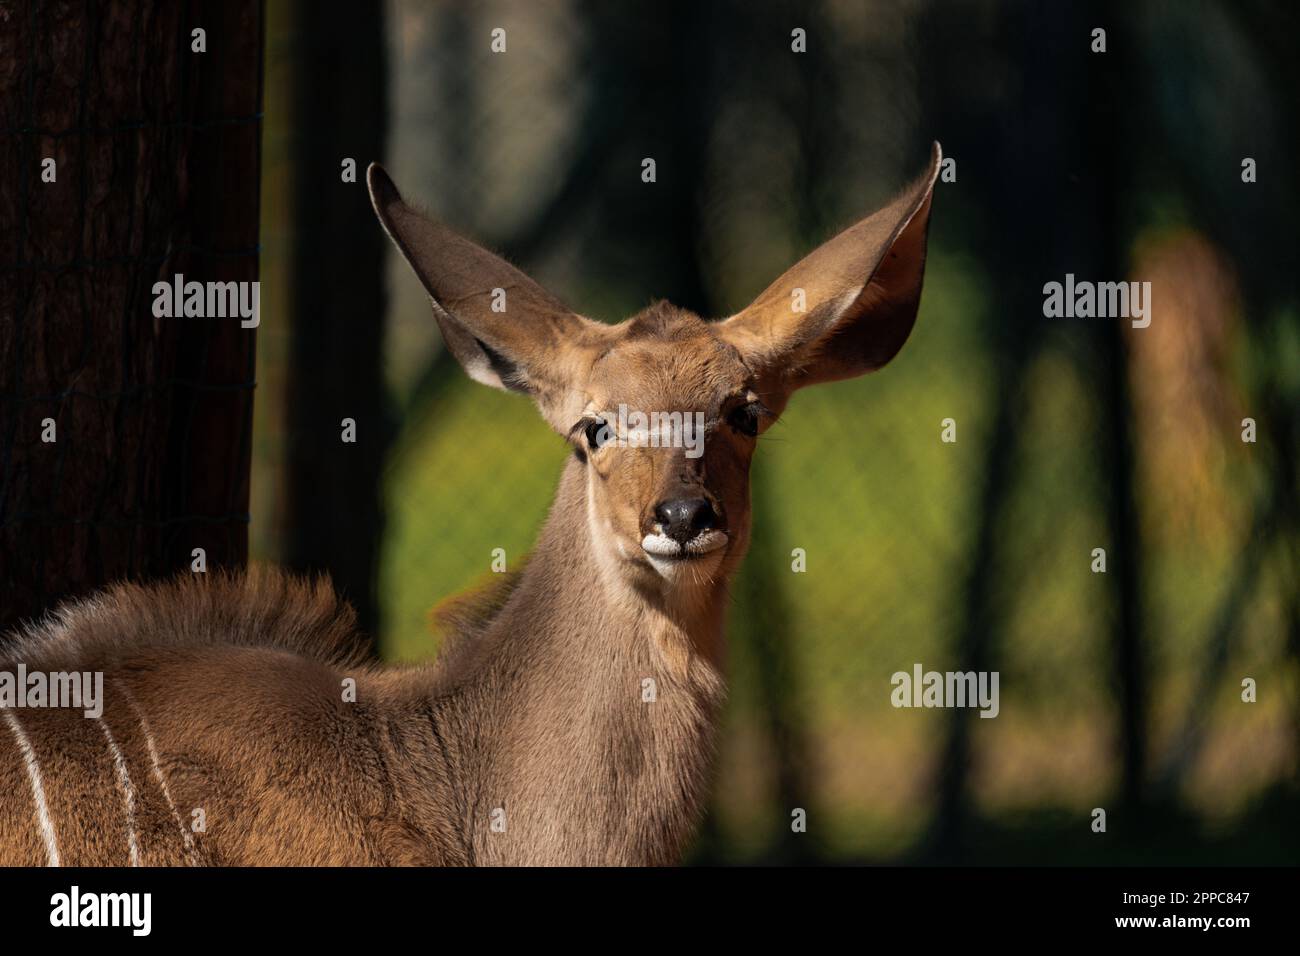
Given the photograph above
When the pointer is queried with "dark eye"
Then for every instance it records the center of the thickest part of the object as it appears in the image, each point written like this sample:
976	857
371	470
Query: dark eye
744	419
598	434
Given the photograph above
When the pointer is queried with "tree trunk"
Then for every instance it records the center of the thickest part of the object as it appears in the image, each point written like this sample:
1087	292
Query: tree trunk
124	438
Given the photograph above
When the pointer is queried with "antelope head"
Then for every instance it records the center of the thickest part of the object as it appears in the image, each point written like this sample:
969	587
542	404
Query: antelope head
664	409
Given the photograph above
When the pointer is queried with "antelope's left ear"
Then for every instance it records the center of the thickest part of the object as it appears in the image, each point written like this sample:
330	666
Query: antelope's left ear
848	307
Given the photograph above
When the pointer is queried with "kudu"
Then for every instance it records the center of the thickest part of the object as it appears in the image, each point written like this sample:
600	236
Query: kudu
239	727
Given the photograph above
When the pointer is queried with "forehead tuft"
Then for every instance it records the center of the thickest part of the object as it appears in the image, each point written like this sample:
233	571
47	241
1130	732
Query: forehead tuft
665	322
667	359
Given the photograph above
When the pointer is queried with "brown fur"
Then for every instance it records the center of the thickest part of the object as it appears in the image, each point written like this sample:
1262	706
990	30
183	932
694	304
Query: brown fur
225	694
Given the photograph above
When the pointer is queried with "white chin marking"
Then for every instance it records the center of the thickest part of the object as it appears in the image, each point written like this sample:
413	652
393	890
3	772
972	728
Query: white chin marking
660	545
665	554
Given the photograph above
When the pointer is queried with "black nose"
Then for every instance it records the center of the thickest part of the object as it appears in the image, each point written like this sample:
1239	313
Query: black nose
684	518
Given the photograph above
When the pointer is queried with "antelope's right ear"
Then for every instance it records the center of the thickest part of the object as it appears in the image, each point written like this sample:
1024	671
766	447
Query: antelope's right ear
504	329
847	307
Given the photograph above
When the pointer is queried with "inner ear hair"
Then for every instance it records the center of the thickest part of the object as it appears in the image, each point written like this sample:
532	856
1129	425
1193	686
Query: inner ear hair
503	328
506	371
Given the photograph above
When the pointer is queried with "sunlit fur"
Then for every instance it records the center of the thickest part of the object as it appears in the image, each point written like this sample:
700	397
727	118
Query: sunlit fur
570	715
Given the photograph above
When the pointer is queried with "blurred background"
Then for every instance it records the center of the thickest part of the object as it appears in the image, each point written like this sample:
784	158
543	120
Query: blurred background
1120	690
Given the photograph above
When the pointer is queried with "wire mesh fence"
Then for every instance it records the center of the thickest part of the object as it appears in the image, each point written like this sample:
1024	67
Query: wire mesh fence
917	550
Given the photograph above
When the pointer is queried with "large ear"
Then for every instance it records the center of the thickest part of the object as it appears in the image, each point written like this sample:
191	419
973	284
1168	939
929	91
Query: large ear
504	329
846	308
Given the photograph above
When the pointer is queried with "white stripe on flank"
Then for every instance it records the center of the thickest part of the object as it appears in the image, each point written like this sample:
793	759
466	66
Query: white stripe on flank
158	774
128	792
38	790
